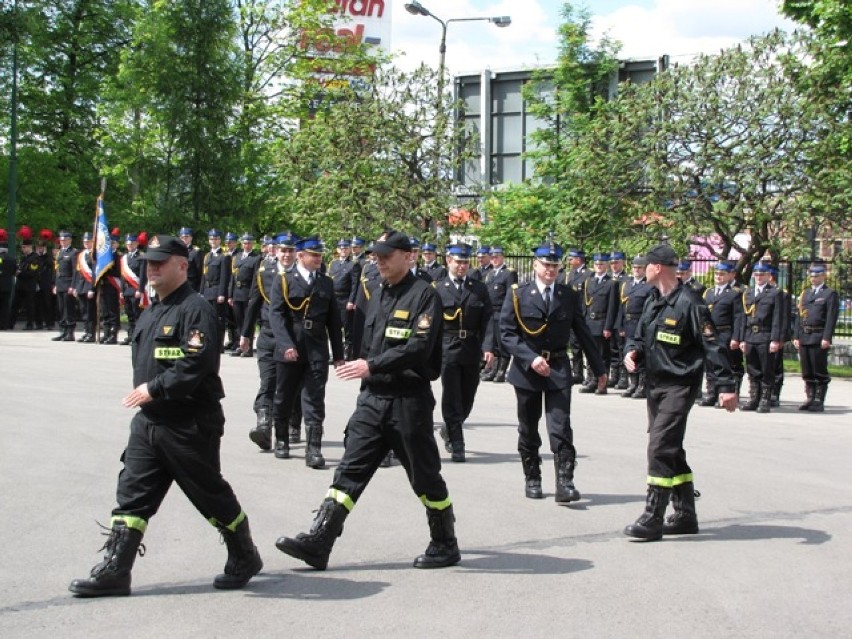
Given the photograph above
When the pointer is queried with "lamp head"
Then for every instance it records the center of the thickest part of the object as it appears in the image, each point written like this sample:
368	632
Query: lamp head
416	9
501	21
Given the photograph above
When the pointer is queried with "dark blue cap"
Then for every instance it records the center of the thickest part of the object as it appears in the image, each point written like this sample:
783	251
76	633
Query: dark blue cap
640	260
496	250
428	246
214	233
760	267
576	253
230	237
414	242
601	257
66	235
247	237
267	240
358	241
311	244
130	237
724	267
483	250
549	253
287	238
618	255
87	235
684	265
185	231
459	251
344	244
817	268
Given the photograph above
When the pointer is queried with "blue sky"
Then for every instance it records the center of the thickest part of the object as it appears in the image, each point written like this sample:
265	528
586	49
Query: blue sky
646	28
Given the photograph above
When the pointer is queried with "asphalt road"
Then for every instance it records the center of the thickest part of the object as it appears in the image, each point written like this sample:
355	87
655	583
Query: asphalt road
773	558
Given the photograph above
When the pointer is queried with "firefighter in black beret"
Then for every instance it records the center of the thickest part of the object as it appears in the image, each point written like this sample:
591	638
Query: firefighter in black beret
817	317
536	322
674	338
401	353
175	435
467	340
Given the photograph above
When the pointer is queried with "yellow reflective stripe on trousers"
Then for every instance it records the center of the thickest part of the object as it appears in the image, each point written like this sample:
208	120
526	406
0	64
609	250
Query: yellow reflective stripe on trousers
669	482
136	523
436	505
233	525
341	498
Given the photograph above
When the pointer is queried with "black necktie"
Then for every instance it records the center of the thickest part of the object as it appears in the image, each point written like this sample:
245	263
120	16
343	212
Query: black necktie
459	281
546	299
311	279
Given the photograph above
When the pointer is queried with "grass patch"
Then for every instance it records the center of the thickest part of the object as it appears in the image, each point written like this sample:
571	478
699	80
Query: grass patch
792	366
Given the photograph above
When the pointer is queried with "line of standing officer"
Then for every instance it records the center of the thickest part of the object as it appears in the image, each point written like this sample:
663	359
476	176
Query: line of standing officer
195	259
818	310
133	282
499	280
600	300
215	281
632	296
84	289
576	277
617	374
66	265
761	339
344	273
244	266
467	338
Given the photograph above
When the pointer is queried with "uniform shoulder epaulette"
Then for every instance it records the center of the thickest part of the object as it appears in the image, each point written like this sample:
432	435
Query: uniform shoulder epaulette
435	284
509	268
515	285
738	289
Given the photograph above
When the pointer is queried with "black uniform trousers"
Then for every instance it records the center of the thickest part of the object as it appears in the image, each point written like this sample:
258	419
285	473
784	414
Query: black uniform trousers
668	407
26	301
760	363
458	383
266	368
735	358
45	307
109	305
311	377
88	311
131	308
814	360
557	409
187	453
604	348
67	308
346	319
402	424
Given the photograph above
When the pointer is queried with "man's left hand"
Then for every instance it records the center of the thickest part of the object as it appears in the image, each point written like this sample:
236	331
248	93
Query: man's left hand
137	397
356	369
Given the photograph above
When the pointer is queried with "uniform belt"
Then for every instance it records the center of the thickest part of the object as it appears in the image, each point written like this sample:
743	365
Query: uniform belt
549	356
723	327
596	316
462	333
632	316
755	328
308	324
238	284
813	329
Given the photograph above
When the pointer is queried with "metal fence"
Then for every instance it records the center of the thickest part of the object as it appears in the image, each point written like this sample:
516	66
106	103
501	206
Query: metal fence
792	276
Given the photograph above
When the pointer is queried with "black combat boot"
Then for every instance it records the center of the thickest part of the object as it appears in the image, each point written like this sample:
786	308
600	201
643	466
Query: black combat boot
622	379
69	335
614	375
261	434
313	452
444	432
315	546
243	562
818	405
111	336
500	375
810	392
111	577
565	462
683	521
487	374
765	399
295	423
590	382
61	336
532	476
630	388
129	337
753	394
710	397
641	391
443	548
649	526
456	436
577	370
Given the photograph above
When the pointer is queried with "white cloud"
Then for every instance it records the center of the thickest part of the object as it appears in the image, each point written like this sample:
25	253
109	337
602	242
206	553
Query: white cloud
679	28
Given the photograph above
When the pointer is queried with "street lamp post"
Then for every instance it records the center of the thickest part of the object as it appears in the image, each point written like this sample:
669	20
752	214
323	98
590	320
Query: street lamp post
417	9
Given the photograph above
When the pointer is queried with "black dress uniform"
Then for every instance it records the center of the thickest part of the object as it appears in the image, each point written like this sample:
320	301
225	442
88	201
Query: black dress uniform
434	269
674	338
725	304
818	310
394	412
195	259
66	266
174	437
304	316
8	267
368	283
632	295
84	286
617	376
344	275
576	279
763	324
600	300
531	328
133	277
468	331
243	269
26	285
46	300
499	281
109	289
216	278
480	272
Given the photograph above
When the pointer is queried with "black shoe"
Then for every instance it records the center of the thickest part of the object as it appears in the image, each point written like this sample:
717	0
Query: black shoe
236	353
532	489
282	449
457	452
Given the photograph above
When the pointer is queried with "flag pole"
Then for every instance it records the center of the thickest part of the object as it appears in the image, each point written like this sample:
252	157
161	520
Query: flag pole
95	263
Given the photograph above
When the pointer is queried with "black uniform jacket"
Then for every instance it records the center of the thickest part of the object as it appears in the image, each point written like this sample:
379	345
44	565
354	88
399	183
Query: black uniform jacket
726	310
499	282
401	338
435	270
28	272
344	275
135	262
601	302
216	277
764	316
305	317
175	350
468	329
527	331
632	296
243	267
674	336
817	316
66	266
257	309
